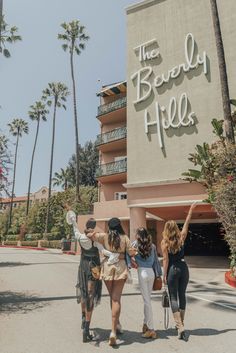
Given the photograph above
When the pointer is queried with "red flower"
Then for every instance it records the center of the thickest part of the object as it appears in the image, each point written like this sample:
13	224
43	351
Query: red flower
230	178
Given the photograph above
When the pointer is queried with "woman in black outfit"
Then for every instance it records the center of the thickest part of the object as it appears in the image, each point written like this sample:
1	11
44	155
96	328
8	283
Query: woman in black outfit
175	269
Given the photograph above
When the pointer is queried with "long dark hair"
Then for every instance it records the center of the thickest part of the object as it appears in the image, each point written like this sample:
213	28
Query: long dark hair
144	242
114	232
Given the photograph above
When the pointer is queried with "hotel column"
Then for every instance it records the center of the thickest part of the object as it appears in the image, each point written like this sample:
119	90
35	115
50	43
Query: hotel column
137	219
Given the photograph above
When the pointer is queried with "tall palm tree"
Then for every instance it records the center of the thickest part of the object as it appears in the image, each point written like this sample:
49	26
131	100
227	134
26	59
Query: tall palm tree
4	160
74	38
62	179
7	35
18	127
37	113
228	123
55	94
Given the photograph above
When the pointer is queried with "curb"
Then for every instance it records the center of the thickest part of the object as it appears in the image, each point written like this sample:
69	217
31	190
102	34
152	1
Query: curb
22	247
36	248
68	252
229	279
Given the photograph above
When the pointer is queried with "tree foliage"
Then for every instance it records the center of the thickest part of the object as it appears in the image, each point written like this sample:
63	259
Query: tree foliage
35	222
8	35
217	172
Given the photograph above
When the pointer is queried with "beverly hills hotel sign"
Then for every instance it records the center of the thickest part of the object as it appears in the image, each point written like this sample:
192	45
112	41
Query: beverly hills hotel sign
178	112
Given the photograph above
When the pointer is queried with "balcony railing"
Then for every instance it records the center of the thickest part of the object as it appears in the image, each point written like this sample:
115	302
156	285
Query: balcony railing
112	135
112	168
110	107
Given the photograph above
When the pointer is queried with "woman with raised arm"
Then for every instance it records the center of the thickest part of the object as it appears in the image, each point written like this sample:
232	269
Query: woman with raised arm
89	285
175	269
115	275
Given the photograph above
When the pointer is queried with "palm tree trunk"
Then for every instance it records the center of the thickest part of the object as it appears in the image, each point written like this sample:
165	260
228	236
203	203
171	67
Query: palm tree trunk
51	165
13	184
223	74
31	167
76	125
1	14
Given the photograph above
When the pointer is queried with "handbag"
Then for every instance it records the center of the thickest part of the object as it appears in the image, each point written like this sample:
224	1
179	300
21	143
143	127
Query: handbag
95	270
165	299
166	304
157	284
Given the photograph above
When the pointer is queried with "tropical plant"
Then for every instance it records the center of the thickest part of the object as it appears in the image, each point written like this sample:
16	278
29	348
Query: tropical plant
74	38
8	35
55	94
228	124
18	127
217	172
37	113
62	179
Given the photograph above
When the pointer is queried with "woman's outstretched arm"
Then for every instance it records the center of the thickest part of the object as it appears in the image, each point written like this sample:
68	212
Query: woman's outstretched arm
184	231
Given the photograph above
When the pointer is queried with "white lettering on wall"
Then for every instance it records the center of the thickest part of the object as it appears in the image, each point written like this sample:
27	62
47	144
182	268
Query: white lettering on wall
144	81
147	55
177	116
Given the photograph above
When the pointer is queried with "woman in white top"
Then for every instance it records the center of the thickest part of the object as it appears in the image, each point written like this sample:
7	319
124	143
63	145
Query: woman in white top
89	286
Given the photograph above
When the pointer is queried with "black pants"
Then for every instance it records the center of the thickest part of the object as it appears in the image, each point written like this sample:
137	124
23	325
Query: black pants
177	279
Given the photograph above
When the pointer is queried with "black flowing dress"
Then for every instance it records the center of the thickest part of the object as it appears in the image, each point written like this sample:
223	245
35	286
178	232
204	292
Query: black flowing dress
88	289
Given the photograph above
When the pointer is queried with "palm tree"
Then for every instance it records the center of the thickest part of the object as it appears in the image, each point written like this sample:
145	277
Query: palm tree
223	74
55	94
17	128
4	160
7	35
37	113
62	179
74	38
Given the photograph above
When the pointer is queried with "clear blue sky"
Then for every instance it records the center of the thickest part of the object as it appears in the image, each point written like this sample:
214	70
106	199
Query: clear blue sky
39	59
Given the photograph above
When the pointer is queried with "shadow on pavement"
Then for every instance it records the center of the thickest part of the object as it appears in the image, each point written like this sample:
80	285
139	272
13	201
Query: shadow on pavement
13	264
208	332
12	302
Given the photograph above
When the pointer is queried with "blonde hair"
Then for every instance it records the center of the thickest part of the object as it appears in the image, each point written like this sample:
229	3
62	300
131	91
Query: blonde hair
172	237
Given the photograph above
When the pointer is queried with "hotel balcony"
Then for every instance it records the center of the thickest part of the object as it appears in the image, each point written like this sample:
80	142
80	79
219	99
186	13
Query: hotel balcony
112	172
113	112
113	140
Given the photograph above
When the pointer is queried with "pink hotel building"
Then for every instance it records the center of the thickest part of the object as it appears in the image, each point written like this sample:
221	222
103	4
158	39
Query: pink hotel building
151	123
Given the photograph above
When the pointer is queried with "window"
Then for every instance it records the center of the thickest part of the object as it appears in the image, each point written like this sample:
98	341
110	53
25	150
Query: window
120	195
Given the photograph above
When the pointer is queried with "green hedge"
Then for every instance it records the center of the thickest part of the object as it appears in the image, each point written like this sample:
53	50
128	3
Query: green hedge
55	244
53	236
33	237
33	243
11	237
10	242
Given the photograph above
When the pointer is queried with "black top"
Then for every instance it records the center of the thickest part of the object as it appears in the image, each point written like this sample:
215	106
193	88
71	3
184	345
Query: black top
174	258
92	252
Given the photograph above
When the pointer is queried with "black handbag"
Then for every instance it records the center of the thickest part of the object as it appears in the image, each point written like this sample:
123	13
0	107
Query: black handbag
166	304
165	299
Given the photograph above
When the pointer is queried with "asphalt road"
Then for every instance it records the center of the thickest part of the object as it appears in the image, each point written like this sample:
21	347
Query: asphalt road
39	313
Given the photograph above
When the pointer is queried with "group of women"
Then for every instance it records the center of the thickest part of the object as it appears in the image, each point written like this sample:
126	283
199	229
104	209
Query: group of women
119	255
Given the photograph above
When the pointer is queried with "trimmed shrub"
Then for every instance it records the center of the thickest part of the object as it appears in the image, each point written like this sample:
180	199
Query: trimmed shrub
53	236
12	237
30	243
55	244
9	242
32	237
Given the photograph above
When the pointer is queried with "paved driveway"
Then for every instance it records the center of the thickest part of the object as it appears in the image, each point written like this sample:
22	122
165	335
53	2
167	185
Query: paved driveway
39	313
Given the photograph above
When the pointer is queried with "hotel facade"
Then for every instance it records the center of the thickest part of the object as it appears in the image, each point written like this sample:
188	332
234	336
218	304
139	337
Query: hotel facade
150	124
